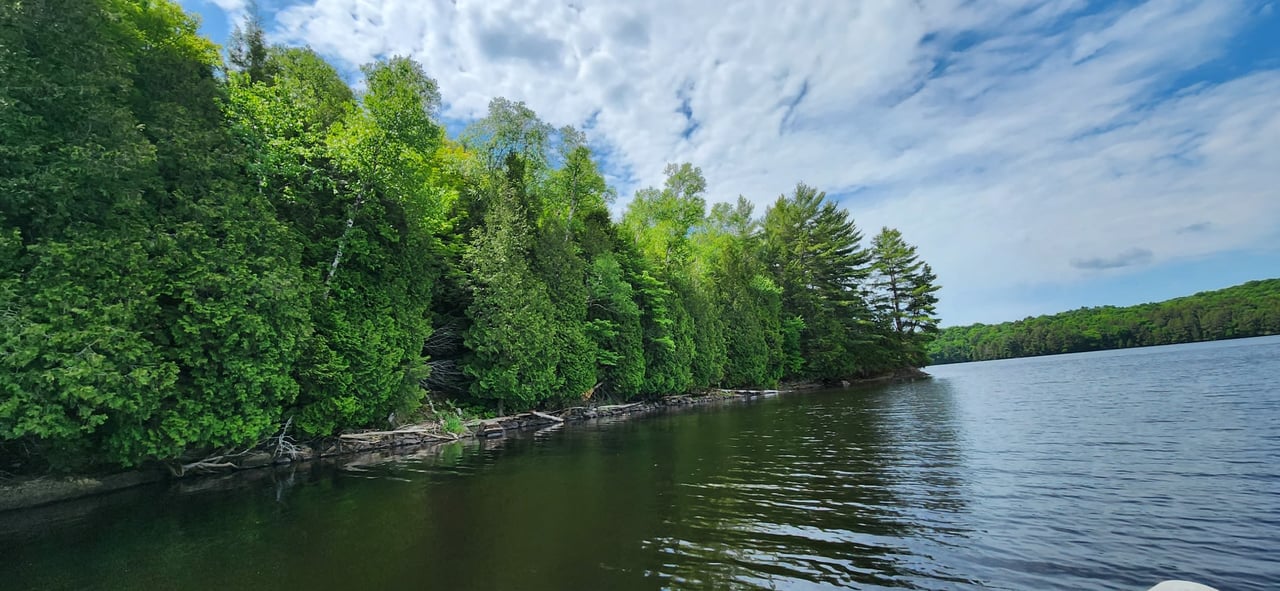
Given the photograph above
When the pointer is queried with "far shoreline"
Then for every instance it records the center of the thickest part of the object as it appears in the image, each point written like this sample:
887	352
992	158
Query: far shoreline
1111	350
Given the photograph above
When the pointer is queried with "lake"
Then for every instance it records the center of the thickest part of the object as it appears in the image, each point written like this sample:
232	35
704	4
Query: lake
1107	470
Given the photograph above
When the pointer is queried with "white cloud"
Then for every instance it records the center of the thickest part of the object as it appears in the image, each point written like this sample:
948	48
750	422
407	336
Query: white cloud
1005	140
231	5
235	9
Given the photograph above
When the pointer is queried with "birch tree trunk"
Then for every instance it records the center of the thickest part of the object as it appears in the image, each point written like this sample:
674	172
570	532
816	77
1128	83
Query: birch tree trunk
342	243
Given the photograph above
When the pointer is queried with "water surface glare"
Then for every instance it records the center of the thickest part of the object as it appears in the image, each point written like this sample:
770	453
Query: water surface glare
1108	470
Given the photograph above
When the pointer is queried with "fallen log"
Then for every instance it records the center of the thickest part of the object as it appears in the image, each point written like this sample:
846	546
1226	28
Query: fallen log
543	415
613	407
502	419
210	464
381	434
565	411
198	467
416	430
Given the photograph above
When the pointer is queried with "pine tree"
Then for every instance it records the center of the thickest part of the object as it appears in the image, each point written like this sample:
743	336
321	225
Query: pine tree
903	289
813	250
247	48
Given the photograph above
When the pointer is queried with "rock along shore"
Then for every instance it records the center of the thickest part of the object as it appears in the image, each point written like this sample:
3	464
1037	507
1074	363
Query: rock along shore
45	490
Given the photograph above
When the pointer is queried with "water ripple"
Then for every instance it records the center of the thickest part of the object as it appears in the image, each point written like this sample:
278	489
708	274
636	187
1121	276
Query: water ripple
1106	471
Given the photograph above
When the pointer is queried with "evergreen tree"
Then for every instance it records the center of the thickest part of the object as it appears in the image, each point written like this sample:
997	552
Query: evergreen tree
559	266
157	311
749	302
903	290
680	324
514	353
813	250
614	325
359	187
922	302
247	49
372	315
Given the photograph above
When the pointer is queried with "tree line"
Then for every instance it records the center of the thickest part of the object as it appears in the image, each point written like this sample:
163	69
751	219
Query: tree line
196	253
1248	310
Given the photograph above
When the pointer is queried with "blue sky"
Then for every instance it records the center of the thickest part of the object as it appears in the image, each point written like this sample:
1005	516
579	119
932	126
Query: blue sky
1043	154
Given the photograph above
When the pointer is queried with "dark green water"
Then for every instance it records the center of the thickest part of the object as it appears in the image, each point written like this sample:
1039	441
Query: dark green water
1095	471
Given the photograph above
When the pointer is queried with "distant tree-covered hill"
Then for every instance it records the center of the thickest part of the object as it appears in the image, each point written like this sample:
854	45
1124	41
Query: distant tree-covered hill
1248	310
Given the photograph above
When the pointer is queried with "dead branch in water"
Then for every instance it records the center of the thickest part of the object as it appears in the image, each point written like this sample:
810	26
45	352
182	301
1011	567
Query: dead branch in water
205	466
285	445
209	464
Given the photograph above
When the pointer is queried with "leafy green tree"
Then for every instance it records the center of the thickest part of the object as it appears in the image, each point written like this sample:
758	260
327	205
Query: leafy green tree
571	194
683	343
284	125
513	146
749	301
372	316
515	150
360	187
577	187
660	220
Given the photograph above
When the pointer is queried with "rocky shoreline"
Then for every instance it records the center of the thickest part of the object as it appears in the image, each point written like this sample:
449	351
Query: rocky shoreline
40	491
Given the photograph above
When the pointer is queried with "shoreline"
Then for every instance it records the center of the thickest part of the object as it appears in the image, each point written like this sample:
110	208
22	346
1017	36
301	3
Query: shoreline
44	490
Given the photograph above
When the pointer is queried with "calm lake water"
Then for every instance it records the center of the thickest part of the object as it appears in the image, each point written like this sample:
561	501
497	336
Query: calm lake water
1105	470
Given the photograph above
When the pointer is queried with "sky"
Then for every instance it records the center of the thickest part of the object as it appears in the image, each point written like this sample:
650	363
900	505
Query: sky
1042	154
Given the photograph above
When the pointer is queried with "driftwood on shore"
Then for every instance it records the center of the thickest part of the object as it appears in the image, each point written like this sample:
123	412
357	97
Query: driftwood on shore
217	463
282	449
618	407
419	431
548	417
426	433
524	419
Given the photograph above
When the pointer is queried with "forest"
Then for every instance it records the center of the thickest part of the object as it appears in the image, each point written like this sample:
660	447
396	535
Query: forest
1247	310
200	249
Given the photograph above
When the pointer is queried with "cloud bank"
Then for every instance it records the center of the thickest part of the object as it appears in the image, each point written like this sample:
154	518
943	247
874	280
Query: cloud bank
1018	143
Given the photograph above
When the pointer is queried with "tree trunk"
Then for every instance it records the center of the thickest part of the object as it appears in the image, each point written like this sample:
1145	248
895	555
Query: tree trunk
573	206
342	243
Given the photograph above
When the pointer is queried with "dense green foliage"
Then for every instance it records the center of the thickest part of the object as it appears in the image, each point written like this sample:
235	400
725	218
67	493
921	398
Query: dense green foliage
1247	310
196	255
